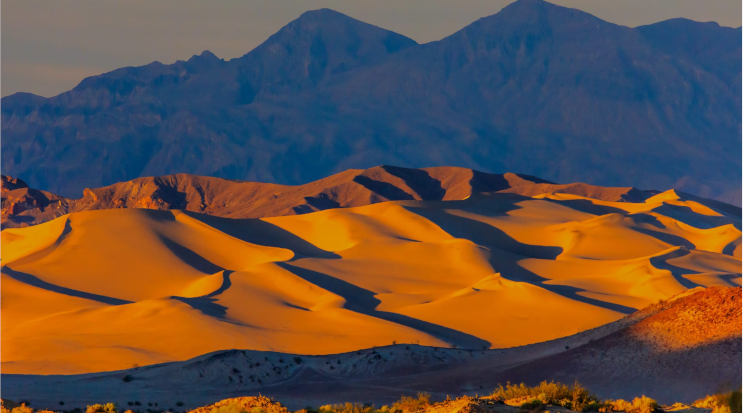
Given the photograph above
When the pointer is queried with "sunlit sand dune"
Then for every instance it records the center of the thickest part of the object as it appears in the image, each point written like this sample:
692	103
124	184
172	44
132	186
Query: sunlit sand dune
103	290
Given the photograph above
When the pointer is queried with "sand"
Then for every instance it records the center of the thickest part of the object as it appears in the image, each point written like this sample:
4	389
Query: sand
104	290
681	349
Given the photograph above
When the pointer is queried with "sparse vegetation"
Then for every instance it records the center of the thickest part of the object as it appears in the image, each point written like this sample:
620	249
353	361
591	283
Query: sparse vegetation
722	402
533	405
574	397
236	408
412	404
638	405
530	399
127	378
347	408
101	408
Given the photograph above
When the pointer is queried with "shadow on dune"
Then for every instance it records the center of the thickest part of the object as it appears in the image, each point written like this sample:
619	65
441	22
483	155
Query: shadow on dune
661	263
671	239
484	234
259	232
36	282
585	205
364	302
189	257
730	248
208	305
506	252
687	216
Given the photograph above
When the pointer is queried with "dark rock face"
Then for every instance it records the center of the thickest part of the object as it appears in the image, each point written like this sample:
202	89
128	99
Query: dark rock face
537	88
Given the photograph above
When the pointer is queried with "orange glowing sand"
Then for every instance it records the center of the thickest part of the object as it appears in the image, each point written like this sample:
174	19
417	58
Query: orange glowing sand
103	290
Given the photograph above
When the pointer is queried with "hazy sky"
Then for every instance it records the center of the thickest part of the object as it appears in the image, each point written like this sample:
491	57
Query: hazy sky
48	46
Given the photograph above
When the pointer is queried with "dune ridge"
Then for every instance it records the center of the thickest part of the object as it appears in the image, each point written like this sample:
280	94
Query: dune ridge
679	349
23	206
496	270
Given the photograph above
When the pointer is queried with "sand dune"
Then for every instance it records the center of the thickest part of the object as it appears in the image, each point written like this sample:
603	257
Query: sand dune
677	350
111	288
23	206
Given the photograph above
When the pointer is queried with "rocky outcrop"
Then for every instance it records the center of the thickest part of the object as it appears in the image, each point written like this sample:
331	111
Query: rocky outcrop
23	206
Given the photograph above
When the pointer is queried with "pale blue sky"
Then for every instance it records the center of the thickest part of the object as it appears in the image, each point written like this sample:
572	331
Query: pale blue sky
48	46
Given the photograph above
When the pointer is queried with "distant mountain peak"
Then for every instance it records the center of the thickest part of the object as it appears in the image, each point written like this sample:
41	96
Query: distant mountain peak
204	60
325	13
317	44
206	54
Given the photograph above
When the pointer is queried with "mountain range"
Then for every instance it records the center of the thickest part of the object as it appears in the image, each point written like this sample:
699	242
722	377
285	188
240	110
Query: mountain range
536	88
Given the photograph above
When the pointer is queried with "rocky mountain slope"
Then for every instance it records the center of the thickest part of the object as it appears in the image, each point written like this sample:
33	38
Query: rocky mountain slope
537	88
678	350
22	206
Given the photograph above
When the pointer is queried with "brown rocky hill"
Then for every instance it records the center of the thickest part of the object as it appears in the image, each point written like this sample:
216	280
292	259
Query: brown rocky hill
23	206
678	347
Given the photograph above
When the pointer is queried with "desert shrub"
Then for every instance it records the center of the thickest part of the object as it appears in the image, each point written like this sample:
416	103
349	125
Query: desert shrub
101	408
721	402
575	397
638	405
179	404
229	408
408	404
708	402
591	407
735	400
347	408
127	378
23	408
533	405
